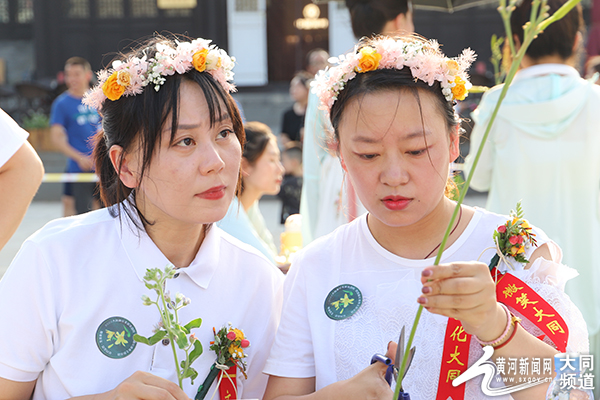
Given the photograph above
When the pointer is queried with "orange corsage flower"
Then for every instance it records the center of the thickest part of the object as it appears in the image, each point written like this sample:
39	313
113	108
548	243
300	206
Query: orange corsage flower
111	88
369	60
199	60
459	90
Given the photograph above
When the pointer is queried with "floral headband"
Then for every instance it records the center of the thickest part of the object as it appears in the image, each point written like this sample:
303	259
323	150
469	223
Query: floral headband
423	57
129	78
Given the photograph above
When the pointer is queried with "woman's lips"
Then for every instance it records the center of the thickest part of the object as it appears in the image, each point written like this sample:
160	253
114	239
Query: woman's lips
395	203
214	193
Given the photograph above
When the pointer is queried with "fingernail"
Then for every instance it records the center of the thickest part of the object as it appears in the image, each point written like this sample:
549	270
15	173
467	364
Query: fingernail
422	300
426	289
427	272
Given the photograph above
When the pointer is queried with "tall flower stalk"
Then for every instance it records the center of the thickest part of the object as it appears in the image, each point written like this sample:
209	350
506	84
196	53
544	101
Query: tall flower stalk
169	326
539	21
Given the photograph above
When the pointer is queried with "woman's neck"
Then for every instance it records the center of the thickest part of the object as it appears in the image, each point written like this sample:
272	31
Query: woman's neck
249	197
179	244
417	241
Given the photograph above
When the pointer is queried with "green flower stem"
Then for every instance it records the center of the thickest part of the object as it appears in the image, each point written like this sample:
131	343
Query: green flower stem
531	30
168	328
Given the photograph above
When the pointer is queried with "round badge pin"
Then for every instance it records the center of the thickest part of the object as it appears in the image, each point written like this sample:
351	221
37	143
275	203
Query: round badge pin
114	337
342	302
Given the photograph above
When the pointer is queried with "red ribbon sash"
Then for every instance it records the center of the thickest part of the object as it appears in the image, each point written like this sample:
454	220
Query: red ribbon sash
227	389
512	292
455	360
515	293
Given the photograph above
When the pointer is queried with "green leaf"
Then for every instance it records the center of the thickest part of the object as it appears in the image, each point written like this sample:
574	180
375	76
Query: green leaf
191	373
156	337
182	340
141	339
194	354
196	323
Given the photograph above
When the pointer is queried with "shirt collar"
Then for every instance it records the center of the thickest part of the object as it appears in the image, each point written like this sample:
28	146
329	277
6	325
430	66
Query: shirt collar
143	253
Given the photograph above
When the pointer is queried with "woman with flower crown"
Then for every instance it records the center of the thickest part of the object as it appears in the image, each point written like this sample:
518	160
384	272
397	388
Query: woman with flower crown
168	157
348	294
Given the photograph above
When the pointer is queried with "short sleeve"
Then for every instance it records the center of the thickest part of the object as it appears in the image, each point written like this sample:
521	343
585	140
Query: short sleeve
27	300
12	137
294	331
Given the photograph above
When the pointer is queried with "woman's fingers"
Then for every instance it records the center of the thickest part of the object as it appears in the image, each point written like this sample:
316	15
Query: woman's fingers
143	385
453	270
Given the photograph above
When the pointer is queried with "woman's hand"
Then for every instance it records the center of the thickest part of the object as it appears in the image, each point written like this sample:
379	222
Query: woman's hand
143	385
465	291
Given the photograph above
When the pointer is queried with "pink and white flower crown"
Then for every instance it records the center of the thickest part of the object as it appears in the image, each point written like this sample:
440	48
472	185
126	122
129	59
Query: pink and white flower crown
130	77
423	57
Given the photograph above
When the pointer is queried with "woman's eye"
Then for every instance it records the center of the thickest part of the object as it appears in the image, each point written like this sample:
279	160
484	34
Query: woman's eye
417	152
225	133
186	142
367	156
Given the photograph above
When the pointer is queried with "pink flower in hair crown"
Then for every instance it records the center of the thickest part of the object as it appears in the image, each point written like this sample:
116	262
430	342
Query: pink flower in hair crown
423	57
130	77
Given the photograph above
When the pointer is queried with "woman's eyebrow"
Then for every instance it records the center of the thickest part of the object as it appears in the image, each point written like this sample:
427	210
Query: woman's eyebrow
369	139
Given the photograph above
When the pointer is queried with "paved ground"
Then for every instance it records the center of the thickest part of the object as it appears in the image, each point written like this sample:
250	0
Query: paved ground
40	212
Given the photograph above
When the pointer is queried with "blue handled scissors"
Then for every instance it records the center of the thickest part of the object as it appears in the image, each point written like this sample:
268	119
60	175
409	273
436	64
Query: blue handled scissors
393	370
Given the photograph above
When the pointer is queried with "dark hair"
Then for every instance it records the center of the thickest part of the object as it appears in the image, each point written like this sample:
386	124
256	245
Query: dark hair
258	136
304	77
293	150
557	39
79	61
142	117
387	80
370	16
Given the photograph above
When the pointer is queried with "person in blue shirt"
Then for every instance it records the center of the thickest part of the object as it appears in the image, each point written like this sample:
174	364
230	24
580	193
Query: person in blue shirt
73	124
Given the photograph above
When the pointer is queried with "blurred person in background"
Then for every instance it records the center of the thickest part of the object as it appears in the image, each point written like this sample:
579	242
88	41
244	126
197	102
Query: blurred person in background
291	187
72	126
292	127
262	173
328	199
21	173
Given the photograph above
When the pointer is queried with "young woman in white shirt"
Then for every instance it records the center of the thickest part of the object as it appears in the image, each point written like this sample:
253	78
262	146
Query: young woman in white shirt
396	132
168	158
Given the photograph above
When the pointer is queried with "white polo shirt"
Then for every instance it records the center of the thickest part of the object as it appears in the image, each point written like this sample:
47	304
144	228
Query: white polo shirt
12	137
76	273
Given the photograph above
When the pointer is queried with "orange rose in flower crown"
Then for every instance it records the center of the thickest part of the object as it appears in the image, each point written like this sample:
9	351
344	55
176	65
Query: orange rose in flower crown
513	237
369	60
112	89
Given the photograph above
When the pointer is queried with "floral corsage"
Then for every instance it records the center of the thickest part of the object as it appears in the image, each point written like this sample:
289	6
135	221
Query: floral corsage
512	238
229	345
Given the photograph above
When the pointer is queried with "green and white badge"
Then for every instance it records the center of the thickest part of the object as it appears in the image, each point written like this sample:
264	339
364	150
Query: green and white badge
342	302
114	337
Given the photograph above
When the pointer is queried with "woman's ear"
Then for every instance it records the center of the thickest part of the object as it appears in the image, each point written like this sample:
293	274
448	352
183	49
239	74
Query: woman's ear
245	167
125	166
455	143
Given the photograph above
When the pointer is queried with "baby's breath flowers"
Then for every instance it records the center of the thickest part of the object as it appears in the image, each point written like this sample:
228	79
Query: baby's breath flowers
169	325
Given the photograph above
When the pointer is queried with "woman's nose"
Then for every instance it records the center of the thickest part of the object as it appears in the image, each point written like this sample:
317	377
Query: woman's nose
211	161
394	172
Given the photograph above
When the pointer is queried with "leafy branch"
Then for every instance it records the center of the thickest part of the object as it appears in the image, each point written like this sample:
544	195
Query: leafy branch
169	325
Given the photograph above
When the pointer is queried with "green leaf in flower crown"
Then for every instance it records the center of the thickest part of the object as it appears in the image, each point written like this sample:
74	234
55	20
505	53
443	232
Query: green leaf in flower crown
194	354
195	323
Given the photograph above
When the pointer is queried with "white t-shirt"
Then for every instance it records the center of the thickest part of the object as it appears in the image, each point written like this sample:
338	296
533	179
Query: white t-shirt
310	344
12	137
75	273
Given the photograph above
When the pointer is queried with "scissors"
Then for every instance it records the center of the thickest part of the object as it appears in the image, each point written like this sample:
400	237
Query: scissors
393	370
